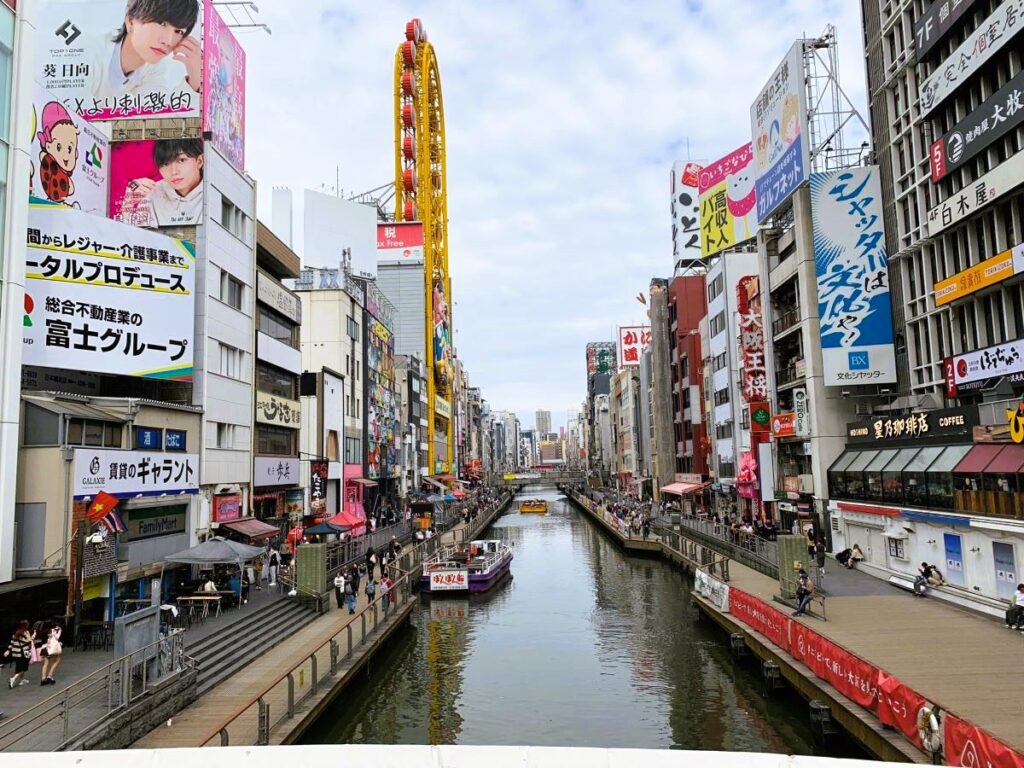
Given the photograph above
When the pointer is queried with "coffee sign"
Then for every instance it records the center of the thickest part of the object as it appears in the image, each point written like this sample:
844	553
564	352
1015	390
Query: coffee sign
926	425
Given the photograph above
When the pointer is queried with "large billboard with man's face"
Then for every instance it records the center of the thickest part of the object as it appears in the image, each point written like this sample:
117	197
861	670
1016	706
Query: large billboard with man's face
120	59
157	183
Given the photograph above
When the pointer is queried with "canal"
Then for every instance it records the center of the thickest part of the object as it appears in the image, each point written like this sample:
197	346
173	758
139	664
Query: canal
582	646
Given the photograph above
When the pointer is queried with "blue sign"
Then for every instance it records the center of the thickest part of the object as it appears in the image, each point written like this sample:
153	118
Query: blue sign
149	438
852	267
175	440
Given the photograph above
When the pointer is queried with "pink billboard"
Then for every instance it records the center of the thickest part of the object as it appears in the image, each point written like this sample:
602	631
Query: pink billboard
157	183
224	98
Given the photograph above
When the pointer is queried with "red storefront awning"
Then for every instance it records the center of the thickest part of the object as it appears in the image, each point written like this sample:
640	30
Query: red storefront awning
680	489
979	457
252	528
1009	460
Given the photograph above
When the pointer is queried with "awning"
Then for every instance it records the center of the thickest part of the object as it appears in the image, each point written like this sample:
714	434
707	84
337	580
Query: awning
362	481
679	489
979	457
436	484
1009	461
895	534
253	528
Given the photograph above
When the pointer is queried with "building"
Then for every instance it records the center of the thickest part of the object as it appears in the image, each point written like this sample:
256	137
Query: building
279	482
412	400
687	304
321	440
542	422
381	432
552	452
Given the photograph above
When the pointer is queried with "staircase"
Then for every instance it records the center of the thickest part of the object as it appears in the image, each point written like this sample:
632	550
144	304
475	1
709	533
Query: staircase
222	653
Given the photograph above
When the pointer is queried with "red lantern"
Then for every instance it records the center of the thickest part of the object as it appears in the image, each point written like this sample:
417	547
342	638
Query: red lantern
295	534
409	53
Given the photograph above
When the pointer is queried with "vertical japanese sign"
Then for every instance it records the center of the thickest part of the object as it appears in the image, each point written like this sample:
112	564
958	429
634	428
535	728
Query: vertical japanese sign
317	487
755	376
778	125
105	65
728	214
685	211
157	183
105	297
633	340
70	160
852	267
224	96
601	357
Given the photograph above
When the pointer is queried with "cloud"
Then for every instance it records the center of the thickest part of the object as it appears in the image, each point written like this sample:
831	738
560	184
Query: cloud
562	118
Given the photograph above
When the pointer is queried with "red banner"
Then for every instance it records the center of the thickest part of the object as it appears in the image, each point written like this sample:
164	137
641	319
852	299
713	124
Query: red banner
760	617
971	747
852	677
898	706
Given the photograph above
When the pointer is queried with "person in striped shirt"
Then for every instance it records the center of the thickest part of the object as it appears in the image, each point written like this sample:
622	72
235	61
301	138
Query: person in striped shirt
19	651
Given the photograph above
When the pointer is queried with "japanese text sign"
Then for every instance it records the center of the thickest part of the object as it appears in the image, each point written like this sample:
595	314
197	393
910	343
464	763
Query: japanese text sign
727	202
274	470
685	211
936	21
443	581
278	411
850	675
70	162
400	241
981	44
224	94
778	125
784	424
973	370
633	340
84	46
601	357
852	267
105	297
927	425
226	507
755	376
989	272
760	617
129	473
1002	179
898	706
991	120
968	746
318	472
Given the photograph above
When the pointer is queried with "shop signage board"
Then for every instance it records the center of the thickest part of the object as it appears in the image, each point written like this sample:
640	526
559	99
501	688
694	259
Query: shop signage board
991	120
1002	179
989	272
278	411
318	473
760	417
143	523
802	420
633	341
274	470
400	242
755	377
601	357
1015	418
980	46
278	298
685	211
784	425
925	425
975	370
126	474
936	21
227	507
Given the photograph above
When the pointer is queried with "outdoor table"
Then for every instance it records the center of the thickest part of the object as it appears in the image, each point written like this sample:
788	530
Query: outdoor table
207	600
134	602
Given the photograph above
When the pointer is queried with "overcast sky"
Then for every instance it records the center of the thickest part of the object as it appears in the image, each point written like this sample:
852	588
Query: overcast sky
563	119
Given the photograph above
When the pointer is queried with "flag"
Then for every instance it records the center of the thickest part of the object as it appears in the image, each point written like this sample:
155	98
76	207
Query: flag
101	505
113	522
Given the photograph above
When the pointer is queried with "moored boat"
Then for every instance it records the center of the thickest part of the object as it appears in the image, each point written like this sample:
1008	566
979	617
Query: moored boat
533	505
473	567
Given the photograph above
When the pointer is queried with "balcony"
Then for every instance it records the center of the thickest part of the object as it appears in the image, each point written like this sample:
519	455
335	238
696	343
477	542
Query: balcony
788	319
787	375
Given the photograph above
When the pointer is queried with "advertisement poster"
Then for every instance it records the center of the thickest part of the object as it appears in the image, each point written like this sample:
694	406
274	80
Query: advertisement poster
852	267
158	58
633	340
104	297
778	124
130	473
157	183
601	357
685	211
224	96
400	242
1005	561
728	214
974	370
318	471
989	272
70	160
442	340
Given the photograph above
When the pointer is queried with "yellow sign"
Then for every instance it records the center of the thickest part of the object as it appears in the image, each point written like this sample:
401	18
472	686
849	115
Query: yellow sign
989	272
442	408
1016	419
278	411
728	210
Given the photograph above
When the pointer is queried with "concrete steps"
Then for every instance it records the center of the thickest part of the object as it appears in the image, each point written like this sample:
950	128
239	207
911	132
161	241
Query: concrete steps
230	648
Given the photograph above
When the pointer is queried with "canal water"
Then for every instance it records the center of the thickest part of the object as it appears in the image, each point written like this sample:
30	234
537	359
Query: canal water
582	646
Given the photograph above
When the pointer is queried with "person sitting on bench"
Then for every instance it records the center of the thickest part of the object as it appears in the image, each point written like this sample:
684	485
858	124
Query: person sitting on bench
1015	614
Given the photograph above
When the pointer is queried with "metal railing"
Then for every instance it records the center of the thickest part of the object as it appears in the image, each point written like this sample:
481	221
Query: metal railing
66	717
697	554
755	551
786	321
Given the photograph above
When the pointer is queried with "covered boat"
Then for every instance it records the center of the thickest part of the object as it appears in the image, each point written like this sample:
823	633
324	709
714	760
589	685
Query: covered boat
533	505
473	567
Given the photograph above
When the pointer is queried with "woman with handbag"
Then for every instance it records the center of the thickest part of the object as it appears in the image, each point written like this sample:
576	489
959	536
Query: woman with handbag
52	653
19	651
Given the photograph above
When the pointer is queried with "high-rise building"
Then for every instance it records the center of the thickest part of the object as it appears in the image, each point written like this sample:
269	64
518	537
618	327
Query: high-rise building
543	422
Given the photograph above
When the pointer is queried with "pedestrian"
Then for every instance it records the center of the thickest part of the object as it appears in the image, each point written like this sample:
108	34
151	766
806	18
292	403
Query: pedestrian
371	558
265	567
804	590
647	527
351	585
385	592
1015	614
819	556
19	653
275	564
246	584
339	589
52	653
371	590
356	575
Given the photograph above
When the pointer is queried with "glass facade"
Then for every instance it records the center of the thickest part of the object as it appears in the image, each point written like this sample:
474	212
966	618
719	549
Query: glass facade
919	477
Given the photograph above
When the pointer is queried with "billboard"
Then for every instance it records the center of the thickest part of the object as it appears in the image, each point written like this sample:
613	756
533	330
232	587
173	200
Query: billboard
400	242
981	44
442	341
990	120
601	357
126	474
157	183
106	66
633	340
224	96
70	161
852	268
784	424
1002	179
989	272
685	211
778	125
728	213
936	21
974	370
333	224
105	297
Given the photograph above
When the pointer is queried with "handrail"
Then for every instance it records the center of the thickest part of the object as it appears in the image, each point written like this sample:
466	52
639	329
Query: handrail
401	587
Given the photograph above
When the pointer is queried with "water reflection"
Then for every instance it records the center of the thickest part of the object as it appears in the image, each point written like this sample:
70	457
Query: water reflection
583	646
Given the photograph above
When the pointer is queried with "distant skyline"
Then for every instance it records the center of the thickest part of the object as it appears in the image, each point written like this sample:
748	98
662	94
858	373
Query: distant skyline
563	121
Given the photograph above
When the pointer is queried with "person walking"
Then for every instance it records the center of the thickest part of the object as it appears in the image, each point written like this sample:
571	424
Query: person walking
52	653
804	590
819	556
351	585
357	575
371	590
371	559
19	653
275	564
339	589
385	592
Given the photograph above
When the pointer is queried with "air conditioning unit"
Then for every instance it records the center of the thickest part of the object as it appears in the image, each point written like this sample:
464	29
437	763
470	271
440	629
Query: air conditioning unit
863	409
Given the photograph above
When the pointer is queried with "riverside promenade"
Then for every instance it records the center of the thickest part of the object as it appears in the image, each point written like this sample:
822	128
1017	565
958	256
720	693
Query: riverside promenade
962	661
273	699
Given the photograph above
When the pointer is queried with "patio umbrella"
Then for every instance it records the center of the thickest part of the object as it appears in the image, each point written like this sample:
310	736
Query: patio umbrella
216	550
327	526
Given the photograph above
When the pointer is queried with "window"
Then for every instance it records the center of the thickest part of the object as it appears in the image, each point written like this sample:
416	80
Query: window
332	445
353	450
233	219
721	361
276	441
100	434
274	381
353	329
276	327
40	427
724	431
230	364
896	549
225	435
231	290
726	468
722	396
717	325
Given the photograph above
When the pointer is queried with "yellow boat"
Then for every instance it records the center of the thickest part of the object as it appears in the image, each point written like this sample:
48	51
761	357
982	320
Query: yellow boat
533	505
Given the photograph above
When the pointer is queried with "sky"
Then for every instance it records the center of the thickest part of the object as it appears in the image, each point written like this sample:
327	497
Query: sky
563	119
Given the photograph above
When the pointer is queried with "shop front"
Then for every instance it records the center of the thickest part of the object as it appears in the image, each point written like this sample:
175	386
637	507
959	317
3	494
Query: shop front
277	498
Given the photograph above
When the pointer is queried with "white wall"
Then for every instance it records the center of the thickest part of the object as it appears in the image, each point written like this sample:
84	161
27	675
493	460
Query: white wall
331	224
